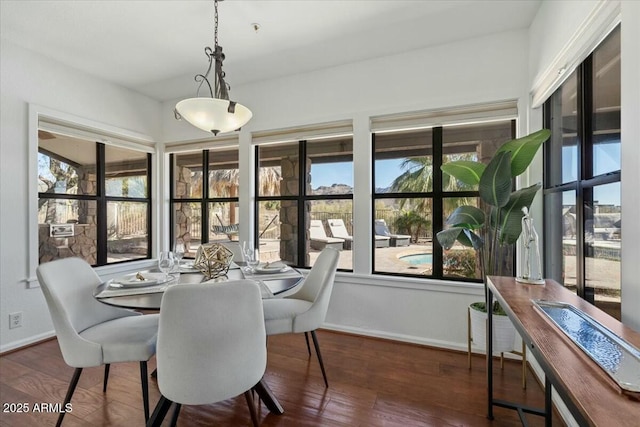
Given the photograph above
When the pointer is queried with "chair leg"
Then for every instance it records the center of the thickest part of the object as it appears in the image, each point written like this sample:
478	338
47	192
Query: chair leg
176	412
252	408
70	390
106	377
317	347
306	338
159	412
145	389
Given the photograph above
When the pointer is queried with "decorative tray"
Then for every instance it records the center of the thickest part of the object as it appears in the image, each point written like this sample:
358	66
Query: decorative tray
614	355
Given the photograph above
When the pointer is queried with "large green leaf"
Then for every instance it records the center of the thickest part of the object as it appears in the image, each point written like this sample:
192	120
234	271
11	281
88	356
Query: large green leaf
465	171
495	183
511	214
472	238
447	238
466	217
524	149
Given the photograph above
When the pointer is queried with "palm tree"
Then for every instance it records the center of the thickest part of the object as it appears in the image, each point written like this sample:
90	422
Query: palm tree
270	178
224	182
418	178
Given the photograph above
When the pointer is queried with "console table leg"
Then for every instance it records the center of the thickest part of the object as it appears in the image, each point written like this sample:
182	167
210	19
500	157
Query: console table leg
489	351
548	408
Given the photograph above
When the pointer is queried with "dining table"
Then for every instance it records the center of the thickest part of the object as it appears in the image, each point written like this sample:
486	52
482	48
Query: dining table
125	292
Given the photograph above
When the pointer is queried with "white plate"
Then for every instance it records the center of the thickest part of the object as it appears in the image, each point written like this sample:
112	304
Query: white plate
188	267
131	281
270	269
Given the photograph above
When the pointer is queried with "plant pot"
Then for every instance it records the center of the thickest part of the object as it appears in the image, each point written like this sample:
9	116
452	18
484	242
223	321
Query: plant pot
504	333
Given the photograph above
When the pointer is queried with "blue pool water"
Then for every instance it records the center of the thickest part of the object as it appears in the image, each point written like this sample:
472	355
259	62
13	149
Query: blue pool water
417	259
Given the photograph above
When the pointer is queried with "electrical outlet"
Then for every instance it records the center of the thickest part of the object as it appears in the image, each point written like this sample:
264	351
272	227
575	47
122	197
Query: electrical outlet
15	320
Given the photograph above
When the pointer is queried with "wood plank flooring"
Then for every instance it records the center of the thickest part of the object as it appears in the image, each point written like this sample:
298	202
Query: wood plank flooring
372	382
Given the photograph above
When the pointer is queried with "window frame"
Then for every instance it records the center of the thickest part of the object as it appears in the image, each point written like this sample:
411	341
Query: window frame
62	122
301	198
586	181
102	201
205	200
437	196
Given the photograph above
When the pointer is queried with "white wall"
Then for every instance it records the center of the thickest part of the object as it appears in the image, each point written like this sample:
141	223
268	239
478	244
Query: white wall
555	25
26	78
474	71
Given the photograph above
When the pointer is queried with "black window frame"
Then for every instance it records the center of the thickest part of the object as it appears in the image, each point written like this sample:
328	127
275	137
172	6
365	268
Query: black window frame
437	195
301	200
205	200
586	181
102	201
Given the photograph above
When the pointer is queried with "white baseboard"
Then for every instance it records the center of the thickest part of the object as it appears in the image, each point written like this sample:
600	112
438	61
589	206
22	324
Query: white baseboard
450	345
27	341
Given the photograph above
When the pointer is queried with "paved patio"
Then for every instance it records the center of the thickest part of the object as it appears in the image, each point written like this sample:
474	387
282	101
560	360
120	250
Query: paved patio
387	259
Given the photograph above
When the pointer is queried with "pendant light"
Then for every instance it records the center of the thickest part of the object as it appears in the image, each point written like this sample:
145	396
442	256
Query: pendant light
216	114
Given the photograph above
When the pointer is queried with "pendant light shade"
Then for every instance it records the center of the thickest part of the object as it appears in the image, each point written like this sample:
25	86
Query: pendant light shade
212	114
216	114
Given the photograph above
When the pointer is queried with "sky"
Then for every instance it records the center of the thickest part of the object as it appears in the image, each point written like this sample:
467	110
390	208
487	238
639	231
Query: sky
607	159
327	174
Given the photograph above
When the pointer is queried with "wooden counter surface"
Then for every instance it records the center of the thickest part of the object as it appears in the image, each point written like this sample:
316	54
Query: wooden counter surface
587	390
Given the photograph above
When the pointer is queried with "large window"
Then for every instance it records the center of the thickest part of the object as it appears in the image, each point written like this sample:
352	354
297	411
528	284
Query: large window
412	197
582	179
304	200
93	200
204	197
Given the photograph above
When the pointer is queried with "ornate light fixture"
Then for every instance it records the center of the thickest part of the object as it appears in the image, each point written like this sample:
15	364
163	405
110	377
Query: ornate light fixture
215	114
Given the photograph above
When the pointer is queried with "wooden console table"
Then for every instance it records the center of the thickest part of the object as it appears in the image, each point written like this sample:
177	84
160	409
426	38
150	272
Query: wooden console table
593	398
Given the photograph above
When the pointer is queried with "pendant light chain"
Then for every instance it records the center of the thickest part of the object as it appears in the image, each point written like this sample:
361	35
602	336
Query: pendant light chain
215	20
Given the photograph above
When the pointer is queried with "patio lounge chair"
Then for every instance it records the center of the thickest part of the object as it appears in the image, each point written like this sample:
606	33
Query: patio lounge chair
395	239
338	229
320	240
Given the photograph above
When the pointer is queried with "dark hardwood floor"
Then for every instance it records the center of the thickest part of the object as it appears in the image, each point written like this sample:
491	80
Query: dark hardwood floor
372	382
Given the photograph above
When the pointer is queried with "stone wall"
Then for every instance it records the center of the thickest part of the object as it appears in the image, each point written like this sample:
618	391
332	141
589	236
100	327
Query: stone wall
83	244
182	213
289	186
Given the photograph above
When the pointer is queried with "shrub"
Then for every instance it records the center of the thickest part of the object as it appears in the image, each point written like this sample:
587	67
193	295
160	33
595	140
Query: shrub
460	263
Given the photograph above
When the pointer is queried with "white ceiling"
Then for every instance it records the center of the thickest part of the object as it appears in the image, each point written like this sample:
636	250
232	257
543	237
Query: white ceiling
156	47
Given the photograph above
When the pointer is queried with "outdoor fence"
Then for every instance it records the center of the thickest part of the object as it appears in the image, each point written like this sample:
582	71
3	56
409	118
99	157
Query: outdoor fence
127	220
130	219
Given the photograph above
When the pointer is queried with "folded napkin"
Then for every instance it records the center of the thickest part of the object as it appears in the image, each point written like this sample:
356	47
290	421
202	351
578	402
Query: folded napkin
113	290
286	274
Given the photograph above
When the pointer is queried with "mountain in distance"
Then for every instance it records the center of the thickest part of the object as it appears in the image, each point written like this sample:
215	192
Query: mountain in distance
333	189
343	189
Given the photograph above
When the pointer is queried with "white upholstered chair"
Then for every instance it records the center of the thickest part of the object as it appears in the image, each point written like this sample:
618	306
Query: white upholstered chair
234	247
211	345
91	333
305	310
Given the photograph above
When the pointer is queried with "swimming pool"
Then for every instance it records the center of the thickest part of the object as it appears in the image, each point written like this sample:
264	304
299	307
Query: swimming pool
417	259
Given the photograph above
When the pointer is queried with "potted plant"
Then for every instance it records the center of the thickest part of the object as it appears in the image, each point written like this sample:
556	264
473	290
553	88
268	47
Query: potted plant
493	228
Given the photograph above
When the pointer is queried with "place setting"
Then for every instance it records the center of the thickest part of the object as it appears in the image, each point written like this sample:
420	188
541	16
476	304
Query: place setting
254	267
142	282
